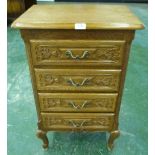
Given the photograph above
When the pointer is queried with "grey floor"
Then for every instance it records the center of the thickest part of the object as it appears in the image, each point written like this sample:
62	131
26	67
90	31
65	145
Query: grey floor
133	115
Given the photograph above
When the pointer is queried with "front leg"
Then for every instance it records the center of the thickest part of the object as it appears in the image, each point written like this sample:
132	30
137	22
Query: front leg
113	135
42	135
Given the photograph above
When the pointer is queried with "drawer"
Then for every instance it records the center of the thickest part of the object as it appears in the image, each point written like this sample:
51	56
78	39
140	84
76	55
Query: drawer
77	52
77	102
77	121
77	79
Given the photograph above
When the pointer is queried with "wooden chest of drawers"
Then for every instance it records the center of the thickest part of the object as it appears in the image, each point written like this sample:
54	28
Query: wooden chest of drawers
78	55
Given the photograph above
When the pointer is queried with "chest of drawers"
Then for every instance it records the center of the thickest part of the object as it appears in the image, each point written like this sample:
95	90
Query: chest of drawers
78	56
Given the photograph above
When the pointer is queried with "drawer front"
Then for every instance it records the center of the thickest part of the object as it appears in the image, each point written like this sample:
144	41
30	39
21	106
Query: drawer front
80	102
77	80
78	52
77	121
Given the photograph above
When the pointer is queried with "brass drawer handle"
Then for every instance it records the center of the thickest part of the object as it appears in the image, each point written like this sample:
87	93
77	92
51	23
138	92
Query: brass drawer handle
69	54
78	106
84	82
77	124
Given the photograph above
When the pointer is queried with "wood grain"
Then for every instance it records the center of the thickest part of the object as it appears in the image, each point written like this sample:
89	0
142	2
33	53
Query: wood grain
77	102
79	52
78	76
77	121
64	16
78	80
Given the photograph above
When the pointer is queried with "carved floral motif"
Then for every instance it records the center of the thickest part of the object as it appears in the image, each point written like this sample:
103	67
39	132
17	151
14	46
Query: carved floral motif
75	123
106	80
108	54
48	79
46	53
50	102
104	103
111	54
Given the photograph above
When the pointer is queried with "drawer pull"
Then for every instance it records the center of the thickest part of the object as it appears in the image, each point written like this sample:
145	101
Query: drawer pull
84	82
77	124
69	54
78	106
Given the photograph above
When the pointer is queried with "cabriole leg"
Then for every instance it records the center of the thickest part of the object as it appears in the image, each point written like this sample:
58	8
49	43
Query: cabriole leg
42	135
113	135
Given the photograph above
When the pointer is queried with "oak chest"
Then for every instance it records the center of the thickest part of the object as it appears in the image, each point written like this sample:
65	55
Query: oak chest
78	55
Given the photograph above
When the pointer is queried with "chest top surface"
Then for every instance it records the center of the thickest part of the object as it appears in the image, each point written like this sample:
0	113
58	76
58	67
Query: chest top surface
64	16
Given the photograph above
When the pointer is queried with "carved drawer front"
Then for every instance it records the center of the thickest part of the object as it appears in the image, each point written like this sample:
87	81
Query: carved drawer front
78	52
77	121
81	102
77	80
